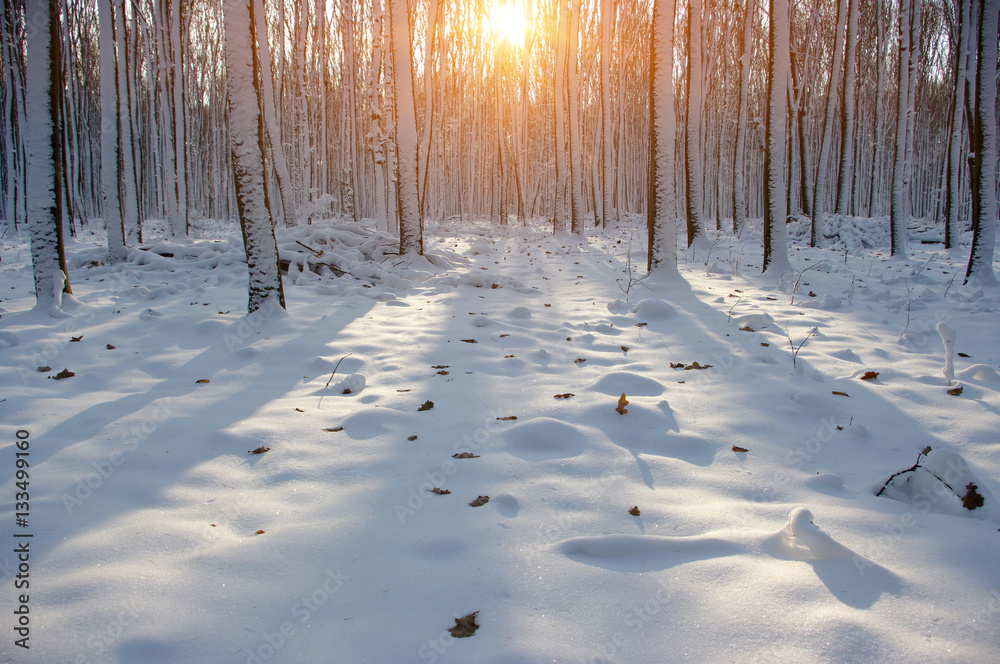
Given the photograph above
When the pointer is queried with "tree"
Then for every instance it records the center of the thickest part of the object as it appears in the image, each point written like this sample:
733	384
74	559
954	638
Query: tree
845	174
984	144
410	222
607	153
662	210
575	142
819	190
43	86
775	205
247	135
952	228
739	150
111	209
693	171
559	222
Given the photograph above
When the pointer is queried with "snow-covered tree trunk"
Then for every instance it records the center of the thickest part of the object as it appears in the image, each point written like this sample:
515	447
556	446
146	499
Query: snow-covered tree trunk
819	190
285	190
130	185
775	203
953	230
575	142
662	209
984	144
43	84
845	174
410	223
247	136
899	210
181	221
694	170
607	146
559	222
111	208
739	151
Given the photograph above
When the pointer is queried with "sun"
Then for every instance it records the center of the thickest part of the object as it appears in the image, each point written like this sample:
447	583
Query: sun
507	22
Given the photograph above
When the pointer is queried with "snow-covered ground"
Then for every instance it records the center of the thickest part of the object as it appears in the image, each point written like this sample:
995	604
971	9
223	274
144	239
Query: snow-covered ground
159	537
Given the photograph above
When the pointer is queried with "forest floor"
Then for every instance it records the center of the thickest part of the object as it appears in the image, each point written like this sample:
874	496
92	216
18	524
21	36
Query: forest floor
158	537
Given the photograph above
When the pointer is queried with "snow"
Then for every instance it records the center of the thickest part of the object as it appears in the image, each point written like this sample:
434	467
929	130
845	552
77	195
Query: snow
145	498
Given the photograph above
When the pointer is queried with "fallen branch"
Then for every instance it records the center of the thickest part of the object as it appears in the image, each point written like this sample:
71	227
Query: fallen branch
337	367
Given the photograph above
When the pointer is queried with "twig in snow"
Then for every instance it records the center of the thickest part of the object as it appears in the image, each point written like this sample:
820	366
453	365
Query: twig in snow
337	367
799	278
796	349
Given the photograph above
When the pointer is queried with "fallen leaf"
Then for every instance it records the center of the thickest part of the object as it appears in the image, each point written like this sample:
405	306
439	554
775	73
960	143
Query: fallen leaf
465	626
443	373
403	390
737	448
214	526
260	450
580	360
955	391
465	455
624	349
440	492
972	498
963	354
812	294
635	511
44	369
504	335
840	394
622	402
412	438
470	341
747	328
334	429
201	381
110	347
259	532
772	299
427	405
507	357
565	396
765	345
65	373
508	418
695	365
299	410
548	305
676	365
79	338
480	501
441	366
640	325
870	375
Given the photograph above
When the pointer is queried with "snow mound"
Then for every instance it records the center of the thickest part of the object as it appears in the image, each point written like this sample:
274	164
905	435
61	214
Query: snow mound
352	384
979	372
653	309
847	355
633	385
480	246
941	481
481	321
544	438
802	539
754	321
519	313
8	339
618	307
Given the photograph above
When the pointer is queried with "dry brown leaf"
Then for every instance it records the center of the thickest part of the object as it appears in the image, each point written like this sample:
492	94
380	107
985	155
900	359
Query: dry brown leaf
440	492
955	391
508	418
624	349
640	325
202	381
622	402
972	498
465	455
840	394
65	373
44	369
695	366
764	344
403	390
443	373
548	305
870	375
963	354
504	335
580	360
470	341
260	450
441	366
480	501
747	328
412	438
110	347
427	405
299	410
737	448
465	626
259	532
334	429
565	396
79	338
676	365
635	511
507	357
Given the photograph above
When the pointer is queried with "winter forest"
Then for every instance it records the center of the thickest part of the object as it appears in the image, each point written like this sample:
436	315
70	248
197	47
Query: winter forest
606	330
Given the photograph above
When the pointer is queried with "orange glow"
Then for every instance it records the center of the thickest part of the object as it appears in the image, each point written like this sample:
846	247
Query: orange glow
507	22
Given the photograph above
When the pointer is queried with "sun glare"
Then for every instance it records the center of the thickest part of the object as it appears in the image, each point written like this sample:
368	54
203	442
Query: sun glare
507	22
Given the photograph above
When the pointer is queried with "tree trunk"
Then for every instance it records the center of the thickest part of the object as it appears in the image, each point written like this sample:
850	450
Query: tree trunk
984	144
819	190
607	152
559	221
900	209
694	170
410	223
845	174
111	208
775	210
739	152
247	135
953	229
575	142
662	208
